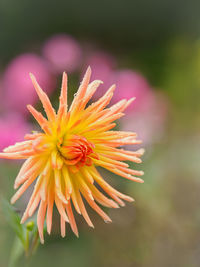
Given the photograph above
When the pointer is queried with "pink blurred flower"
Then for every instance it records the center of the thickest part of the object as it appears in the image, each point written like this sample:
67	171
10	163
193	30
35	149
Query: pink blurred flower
13	127
63	53
102	65
147	114
150	123
132	84
1	95
18	88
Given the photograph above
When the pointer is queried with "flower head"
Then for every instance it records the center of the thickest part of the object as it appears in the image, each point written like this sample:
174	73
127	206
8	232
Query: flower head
63	158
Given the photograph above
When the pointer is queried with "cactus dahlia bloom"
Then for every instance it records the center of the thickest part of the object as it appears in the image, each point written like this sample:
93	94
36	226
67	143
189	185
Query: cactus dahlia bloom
62	159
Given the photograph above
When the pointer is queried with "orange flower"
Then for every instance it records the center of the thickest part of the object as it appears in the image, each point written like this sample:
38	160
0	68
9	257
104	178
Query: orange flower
63	158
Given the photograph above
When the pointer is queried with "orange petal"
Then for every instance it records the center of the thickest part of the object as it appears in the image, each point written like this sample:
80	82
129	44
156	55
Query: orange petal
40	219
44	99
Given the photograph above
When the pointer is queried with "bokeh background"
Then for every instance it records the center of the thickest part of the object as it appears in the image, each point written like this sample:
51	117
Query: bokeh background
151	50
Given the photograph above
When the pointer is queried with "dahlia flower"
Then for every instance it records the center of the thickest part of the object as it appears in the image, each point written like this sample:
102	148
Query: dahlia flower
62	159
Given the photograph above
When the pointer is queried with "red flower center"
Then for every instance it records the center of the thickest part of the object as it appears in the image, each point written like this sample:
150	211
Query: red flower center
77	151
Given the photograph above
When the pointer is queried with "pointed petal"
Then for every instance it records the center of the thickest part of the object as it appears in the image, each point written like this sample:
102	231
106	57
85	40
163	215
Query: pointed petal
71	218
44	99
40	219
81	91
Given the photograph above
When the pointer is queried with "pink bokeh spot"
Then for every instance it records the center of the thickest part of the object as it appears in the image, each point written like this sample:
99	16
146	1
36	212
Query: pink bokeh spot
17	84
63	53
13	127
149	123
132	84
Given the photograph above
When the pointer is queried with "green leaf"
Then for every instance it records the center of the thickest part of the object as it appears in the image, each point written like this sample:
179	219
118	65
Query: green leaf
16	252
13	220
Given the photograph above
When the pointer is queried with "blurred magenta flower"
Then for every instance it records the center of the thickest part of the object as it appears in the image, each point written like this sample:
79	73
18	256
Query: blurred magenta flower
149	123
1	95
148	113
132	84
102	65
13	127
18	88
63	53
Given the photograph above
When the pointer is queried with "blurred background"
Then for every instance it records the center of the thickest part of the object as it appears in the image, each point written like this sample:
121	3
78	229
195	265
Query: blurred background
151	50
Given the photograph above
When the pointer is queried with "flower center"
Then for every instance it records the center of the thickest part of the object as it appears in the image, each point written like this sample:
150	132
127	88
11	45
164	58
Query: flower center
76	150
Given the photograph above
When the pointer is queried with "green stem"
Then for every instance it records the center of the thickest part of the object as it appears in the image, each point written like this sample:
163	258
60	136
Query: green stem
27	244
35	244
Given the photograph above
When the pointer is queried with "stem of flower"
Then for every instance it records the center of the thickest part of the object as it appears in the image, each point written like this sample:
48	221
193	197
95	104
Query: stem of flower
27	244
35	244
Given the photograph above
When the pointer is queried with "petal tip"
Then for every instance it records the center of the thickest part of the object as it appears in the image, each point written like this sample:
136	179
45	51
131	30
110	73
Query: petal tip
31	76
108	221
140	181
